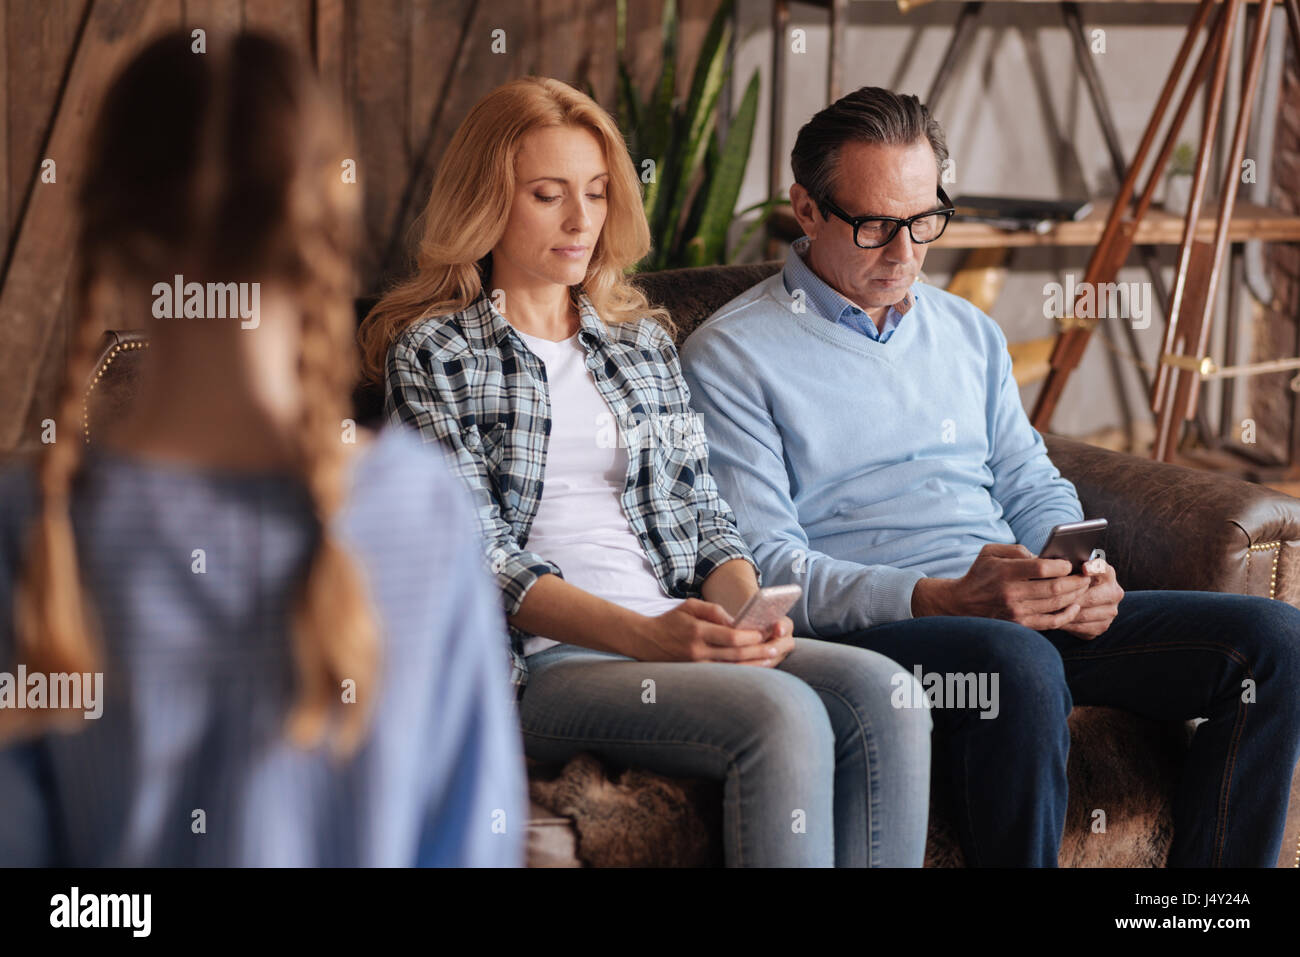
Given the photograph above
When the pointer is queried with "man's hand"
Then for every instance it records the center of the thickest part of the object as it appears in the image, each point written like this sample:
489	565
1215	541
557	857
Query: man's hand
1099	605
999	584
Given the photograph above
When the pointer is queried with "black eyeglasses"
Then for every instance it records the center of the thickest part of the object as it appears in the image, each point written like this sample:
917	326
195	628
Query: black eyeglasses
872	232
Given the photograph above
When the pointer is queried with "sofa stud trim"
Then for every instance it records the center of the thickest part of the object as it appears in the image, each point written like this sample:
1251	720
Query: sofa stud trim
1276	548
99	374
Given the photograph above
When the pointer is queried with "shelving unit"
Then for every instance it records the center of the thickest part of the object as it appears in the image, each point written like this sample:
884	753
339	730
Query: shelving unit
1159	228
1280	226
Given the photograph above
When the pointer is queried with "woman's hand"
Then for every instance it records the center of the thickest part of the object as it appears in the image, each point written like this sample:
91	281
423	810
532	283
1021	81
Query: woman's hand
781	638
698	630
695	630
731	585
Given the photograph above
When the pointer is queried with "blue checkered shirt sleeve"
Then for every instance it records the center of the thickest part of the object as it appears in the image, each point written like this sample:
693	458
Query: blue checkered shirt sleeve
719	541
428	395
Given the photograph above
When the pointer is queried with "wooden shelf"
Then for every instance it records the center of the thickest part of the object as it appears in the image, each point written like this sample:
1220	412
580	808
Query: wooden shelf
905	6
1158	228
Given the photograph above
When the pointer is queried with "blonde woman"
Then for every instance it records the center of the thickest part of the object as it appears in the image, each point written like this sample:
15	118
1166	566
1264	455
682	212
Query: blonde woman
519	344
295	668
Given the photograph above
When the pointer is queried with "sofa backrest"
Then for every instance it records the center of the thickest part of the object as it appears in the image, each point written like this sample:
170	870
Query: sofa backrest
689	295
1215	533
692	295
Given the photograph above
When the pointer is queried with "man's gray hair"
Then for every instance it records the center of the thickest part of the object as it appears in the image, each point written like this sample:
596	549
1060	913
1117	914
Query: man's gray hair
870	114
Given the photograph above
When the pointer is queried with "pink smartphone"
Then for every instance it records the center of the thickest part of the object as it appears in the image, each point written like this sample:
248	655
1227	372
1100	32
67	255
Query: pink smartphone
766	607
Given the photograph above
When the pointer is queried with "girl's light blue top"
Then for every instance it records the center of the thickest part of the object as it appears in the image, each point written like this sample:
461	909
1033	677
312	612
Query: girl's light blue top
191	573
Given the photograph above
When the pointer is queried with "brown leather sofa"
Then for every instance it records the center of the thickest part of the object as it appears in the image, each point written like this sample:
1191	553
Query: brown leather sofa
1170	528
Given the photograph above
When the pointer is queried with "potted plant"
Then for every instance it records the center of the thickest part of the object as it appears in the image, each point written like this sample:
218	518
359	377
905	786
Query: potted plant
1178	182
692	172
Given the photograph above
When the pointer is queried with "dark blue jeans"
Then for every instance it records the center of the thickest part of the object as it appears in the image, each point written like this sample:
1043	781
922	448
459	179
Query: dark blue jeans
1233	660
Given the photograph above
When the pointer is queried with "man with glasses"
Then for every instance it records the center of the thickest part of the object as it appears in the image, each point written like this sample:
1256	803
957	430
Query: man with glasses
868	433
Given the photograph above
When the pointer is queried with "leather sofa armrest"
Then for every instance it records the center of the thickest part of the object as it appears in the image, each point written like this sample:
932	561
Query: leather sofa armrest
1177	528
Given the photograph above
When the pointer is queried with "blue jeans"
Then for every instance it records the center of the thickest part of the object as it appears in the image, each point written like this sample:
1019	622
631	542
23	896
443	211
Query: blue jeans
1231	659
818	768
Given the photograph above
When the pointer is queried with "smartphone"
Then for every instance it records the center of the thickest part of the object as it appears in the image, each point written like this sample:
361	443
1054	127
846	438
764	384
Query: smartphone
766	607
1076	542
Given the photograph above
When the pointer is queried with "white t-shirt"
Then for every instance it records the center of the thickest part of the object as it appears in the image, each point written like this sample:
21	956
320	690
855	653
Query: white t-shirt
580	523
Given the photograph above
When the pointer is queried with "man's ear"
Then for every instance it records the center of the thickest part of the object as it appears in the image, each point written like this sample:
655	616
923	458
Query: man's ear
805	210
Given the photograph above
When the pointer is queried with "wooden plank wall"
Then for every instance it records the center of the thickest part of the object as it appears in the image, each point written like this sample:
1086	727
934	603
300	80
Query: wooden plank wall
406	72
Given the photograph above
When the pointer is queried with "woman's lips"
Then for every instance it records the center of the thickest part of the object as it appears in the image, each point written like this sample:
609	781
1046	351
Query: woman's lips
570	252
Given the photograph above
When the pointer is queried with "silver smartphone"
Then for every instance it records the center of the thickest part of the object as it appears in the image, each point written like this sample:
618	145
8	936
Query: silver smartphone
1076	542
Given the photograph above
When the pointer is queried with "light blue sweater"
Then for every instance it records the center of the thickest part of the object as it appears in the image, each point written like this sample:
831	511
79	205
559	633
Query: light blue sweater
855	467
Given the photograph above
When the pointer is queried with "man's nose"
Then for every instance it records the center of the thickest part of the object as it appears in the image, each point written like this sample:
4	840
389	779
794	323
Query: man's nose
899	249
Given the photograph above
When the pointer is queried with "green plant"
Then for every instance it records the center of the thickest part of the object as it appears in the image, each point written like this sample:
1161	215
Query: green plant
691	174
1183	161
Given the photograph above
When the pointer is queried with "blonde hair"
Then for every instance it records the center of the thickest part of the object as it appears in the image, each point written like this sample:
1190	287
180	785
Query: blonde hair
228	161
469	205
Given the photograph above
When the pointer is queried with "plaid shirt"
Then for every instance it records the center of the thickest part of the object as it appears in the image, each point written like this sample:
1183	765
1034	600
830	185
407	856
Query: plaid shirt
469	381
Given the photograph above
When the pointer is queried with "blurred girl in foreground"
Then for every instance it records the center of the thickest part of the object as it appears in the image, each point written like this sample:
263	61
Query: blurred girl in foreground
252	588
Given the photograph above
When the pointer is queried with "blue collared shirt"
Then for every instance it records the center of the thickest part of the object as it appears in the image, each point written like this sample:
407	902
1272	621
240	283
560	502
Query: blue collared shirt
829	303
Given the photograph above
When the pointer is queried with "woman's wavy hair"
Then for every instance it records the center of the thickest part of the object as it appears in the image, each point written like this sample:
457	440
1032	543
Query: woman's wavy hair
228	162
469	205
